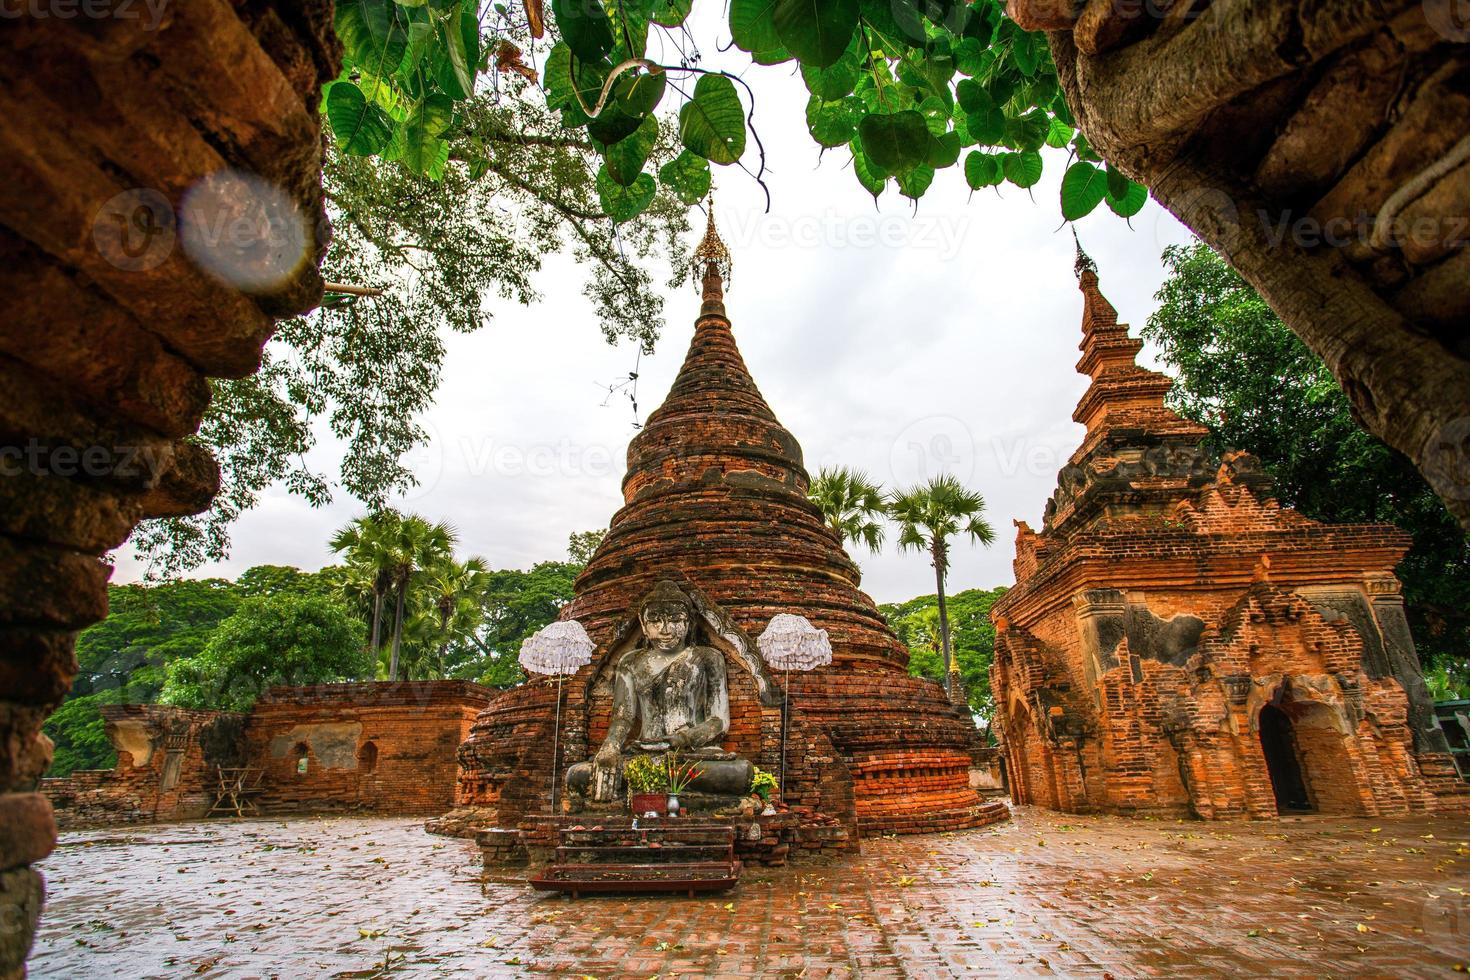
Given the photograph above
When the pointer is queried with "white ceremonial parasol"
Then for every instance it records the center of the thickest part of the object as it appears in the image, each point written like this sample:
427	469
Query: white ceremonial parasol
558	649
792	643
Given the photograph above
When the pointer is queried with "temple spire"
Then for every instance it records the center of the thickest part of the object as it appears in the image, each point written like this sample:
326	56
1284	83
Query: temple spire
711	266
1122	392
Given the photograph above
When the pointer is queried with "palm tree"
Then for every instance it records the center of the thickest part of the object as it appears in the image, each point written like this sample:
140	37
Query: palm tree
457	593
851	504
365	541
414	545
929	515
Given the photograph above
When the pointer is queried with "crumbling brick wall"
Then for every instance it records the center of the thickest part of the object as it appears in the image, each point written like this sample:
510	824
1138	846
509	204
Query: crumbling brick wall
166	764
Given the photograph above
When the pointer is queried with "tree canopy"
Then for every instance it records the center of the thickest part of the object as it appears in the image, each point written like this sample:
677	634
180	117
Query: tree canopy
272	639
973	637
852	505
1243	374
446	248
906	86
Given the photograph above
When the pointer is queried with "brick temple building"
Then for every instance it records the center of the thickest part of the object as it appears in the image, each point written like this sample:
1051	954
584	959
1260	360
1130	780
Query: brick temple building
715	499
1177	643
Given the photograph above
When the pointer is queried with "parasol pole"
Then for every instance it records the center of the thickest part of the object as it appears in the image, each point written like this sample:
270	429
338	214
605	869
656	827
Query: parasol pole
785	728
555	744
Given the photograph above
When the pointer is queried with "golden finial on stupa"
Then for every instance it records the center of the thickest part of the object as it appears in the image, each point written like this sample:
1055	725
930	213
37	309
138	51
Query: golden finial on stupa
711	256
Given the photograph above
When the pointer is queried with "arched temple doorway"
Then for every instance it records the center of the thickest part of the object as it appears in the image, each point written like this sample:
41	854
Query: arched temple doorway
1283	762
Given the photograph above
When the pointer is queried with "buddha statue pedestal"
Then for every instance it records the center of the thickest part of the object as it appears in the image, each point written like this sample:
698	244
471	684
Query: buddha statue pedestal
722	783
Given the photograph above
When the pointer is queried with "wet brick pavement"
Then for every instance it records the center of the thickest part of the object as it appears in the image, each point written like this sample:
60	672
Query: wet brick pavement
1047	895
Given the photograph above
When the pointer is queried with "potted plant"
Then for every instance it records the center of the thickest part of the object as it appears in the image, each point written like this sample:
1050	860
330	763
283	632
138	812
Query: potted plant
762	785
648	786
679	776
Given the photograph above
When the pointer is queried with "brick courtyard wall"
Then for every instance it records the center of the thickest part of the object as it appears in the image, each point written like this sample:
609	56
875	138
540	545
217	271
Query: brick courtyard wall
1168	599
383	747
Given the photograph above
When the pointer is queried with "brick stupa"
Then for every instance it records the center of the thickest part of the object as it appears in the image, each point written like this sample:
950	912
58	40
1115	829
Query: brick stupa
715	499
1179	644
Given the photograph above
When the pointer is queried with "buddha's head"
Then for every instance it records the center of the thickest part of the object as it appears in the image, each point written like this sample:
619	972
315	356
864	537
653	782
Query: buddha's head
666	614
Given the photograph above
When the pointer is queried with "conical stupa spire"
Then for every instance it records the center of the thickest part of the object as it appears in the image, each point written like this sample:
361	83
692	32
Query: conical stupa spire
711	265
1122	393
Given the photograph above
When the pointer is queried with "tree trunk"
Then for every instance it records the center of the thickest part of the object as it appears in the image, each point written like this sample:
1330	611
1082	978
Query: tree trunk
397	634
1404	387
377	641
940	563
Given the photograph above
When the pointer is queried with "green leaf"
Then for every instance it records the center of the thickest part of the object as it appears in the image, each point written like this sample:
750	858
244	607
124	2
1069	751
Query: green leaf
672	13
459	42
968	56
833	123
432	114
712	124
936	115
894	143
1025	51
624	203
1061	110
612	125
422	153
567	78
872	179
361	129
1028	132
752	26
687	175
944	150
1001	88
982	170
1058	133
1127	200
774	56
972	96
878	15
629	20
639	95
1117	182
373	35
625	158
1023	169
830	84
585	26
816	31
987	126
914	183
1083	189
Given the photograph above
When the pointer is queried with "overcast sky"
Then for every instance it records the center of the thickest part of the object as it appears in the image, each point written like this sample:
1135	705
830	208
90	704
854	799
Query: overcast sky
902	341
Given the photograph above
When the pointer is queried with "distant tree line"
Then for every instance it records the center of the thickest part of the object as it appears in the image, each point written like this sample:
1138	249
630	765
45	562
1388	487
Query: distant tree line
215	643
